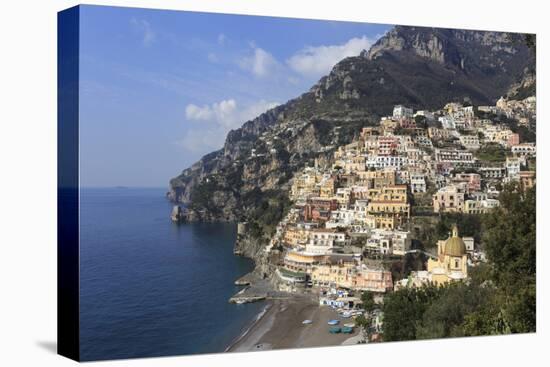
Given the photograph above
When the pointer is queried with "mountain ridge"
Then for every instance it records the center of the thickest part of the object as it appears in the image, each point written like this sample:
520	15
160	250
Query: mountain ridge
423	68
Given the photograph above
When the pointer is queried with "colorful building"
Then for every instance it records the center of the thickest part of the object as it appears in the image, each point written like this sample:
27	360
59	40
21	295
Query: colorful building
452	260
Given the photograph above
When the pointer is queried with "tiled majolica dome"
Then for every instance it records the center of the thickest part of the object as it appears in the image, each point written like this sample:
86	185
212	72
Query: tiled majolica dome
454	246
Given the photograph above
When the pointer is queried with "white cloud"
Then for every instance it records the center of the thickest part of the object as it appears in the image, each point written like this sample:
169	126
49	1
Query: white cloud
256	109
223	113
201	141
317	61
147	32
261	63
219	118
221	38
227	113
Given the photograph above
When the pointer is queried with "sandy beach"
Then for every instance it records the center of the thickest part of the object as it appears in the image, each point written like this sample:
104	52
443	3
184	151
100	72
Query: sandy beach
280	327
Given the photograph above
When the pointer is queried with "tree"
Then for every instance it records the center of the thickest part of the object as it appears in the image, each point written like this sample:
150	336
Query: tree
510	242
491	152
468	225
510	235
363	321
368	301
445	316
404	309
487	320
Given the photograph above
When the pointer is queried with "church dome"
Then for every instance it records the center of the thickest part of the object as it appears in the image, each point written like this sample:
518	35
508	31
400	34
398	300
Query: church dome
454	246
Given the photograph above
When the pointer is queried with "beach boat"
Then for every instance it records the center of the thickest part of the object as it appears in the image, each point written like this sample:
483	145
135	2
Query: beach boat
307	322
334	330
333	322
350	324
347	330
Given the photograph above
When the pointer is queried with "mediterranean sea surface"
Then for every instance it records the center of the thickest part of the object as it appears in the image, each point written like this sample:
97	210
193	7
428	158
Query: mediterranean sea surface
149	287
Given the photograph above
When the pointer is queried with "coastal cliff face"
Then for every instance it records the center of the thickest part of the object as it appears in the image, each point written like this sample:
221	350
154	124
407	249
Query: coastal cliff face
423	68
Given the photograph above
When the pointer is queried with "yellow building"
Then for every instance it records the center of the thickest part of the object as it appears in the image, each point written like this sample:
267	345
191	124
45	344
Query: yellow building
355	164
527	179
389	222
388	207
451	263
300	261
340	274
389	203
348	274
369	131
397	193
294	236
305	184
327	188
388	124
377	179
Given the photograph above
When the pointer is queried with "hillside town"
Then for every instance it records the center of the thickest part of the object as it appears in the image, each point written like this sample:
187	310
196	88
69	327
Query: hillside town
393	200
354	217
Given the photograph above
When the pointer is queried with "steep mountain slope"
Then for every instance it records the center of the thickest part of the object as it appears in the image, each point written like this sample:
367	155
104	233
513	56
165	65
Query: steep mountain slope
419	67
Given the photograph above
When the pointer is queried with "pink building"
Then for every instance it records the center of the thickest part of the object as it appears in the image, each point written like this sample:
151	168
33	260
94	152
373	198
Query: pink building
387	145
407	123
319	209
373	280
472	180
513	139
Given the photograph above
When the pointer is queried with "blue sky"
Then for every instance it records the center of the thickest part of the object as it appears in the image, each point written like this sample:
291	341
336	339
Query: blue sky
159	88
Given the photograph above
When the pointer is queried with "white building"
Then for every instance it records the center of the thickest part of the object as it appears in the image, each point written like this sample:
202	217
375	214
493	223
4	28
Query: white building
468	111
341	218
389	242
513	166
400	111
417	182
469	242
470	142
427	114
524	150
386	161
323	241
492	172
454	156
447	122
472	206
423	141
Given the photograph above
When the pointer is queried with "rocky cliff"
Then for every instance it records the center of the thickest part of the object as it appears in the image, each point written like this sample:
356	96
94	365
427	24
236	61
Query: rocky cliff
420	67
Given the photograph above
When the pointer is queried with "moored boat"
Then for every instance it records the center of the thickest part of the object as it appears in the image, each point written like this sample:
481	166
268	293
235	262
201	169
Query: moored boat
347	330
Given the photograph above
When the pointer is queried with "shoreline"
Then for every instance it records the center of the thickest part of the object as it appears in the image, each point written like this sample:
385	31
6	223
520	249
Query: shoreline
279	326
250	326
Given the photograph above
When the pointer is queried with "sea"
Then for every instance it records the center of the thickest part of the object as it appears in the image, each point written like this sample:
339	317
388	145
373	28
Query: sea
150	287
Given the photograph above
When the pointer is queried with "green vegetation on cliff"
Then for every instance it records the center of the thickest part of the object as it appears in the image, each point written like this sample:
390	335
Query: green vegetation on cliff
268	208
491	152
201	196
